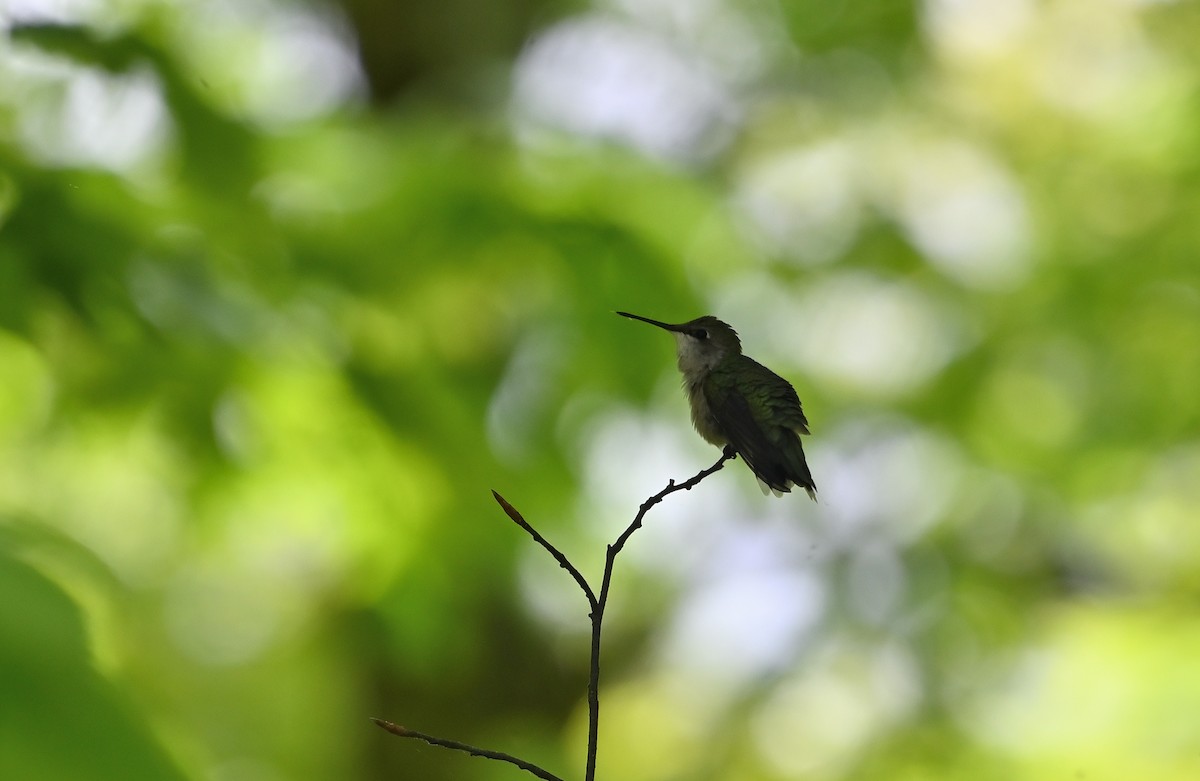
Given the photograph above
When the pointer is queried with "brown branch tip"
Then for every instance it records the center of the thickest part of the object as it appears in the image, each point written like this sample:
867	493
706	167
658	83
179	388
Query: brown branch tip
391	727
509	510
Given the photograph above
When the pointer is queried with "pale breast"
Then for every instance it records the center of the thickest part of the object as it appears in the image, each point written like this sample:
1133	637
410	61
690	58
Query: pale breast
702	417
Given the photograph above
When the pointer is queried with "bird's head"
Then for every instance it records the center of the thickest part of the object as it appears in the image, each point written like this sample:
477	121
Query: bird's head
701	344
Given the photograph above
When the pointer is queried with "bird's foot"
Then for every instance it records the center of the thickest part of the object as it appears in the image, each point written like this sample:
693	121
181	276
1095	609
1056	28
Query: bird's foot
729	452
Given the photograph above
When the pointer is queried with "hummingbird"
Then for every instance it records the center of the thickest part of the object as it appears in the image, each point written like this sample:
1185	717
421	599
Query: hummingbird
741	405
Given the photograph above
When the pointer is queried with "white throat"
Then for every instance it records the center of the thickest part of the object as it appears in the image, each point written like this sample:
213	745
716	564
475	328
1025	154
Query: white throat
695	357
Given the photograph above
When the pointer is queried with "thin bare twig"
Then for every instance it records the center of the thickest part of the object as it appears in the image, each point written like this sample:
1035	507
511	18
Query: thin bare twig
405	732
602	602
562	560
597	604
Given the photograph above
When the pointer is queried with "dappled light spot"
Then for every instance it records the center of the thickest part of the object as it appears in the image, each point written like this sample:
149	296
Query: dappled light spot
803	201
67	11
297	534
743	625
858	693
739	39
603	79
1103	688
972	30
888	478
621	475
1092	62
123	499
274	63
1145	524
962	211
223	615
1096	63
114	121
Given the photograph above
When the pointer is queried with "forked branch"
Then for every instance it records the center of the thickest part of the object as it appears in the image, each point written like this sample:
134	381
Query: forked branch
597	614
597	603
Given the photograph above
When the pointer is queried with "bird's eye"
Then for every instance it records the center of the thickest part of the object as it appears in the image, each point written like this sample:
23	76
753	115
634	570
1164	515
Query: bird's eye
701	333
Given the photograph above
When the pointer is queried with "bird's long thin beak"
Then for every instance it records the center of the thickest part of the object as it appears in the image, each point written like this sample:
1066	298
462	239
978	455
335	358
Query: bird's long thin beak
666	326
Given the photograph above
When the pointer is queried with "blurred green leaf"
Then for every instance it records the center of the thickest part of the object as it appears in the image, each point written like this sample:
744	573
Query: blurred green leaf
60	717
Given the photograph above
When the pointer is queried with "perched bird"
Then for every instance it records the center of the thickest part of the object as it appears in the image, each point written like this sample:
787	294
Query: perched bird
738	403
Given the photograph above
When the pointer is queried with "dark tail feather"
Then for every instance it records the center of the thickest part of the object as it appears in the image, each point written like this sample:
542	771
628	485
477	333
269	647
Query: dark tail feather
798	467
781	473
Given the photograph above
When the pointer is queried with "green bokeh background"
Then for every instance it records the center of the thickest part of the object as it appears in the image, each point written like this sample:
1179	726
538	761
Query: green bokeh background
287	288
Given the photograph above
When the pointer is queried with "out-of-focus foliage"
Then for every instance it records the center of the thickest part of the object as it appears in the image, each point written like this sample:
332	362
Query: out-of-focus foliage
264	351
